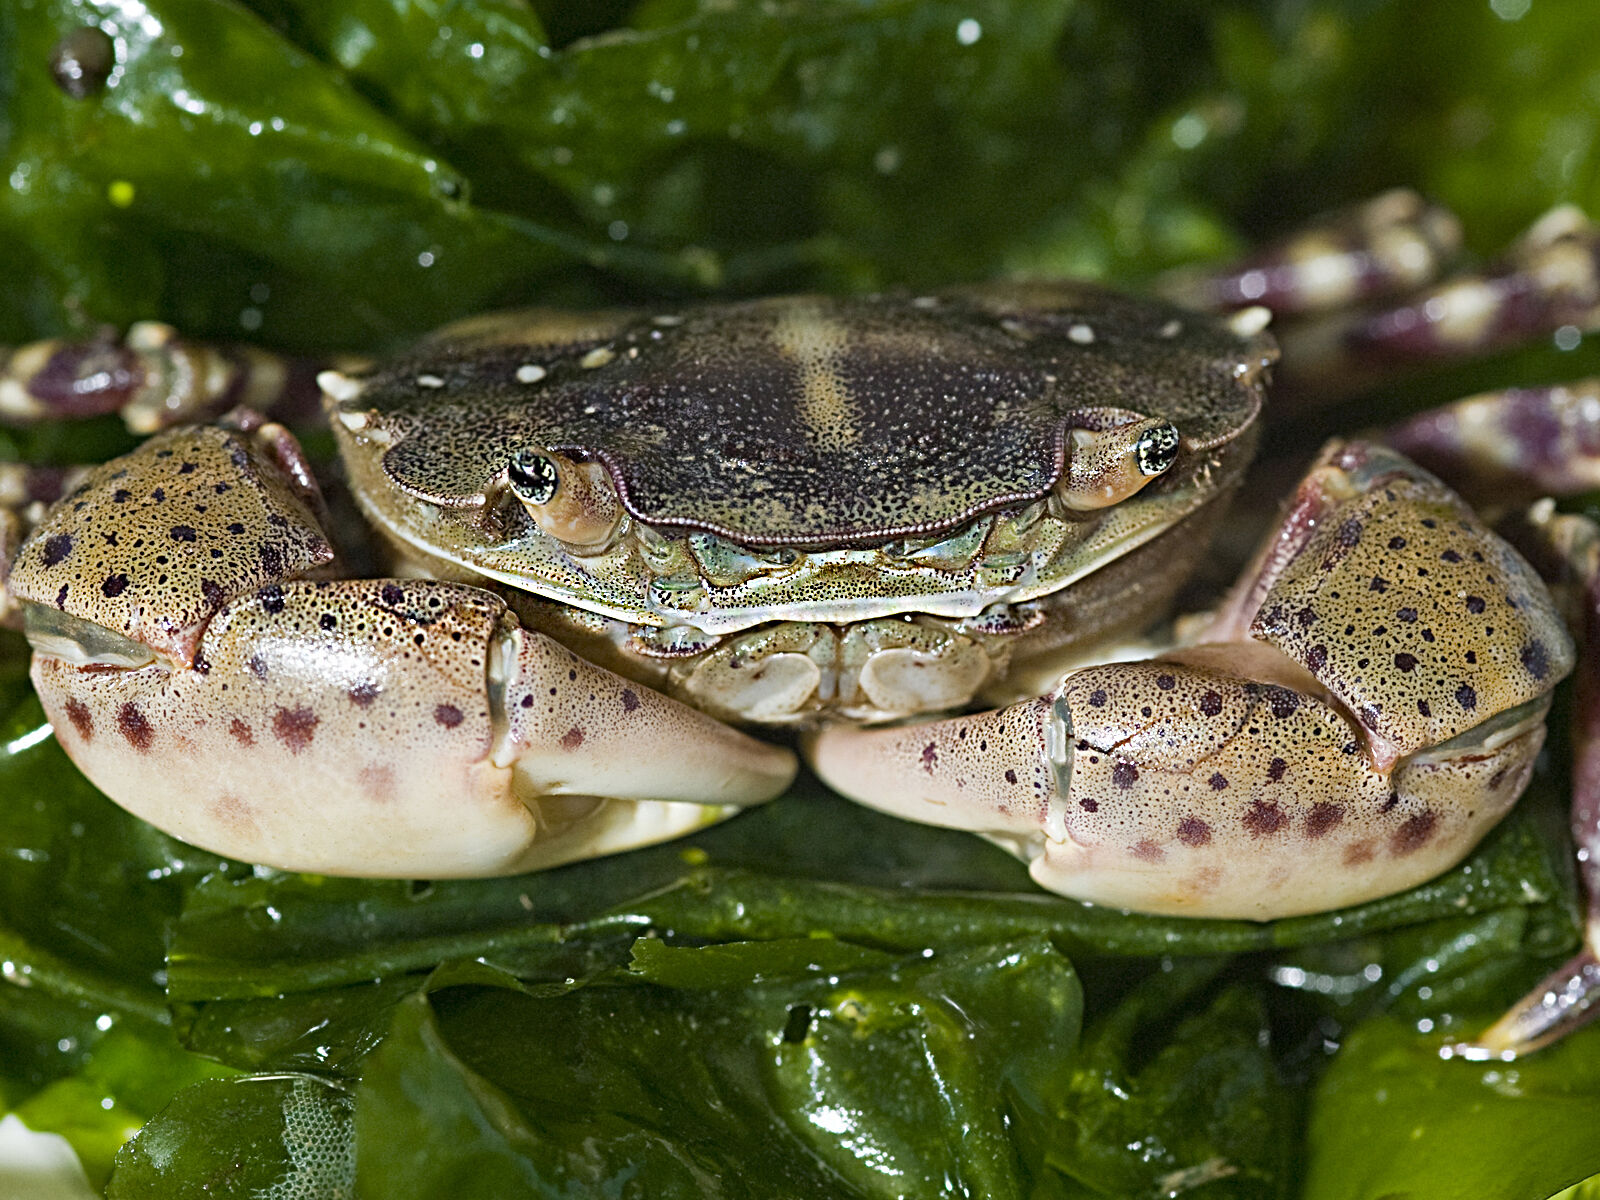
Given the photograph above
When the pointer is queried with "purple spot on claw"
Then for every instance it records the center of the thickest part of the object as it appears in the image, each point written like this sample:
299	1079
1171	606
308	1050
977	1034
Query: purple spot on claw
56	548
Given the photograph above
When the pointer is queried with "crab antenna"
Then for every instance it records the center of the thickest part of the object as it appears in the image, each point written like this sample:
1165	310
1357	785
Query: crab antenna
574	502
1106	466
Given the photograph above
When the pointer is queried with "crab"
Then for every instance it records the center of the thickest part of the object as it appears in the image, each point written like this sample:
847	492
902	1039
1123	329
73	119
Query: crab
618	539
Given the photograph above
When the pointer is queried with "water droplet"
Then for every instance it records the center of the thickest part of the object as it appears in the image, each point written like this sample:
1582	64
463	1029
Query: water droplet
1188	131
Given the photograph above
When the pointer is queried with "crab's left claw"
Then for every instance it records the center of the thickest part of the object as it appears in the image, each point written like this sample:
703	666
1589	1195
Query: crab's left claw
1366	706
201	670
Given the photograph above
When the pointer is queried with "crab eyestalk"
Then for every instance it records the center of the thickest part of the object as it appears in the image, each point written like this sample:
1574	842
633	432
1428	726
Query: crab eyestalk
574	502
1106	466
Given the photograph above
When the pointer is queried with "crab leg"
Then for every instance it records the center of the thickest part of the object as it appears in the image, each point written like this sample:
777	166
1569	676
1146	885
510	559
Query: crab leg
1380	249
376	727
1365	706
153	377
1359	295
1519	442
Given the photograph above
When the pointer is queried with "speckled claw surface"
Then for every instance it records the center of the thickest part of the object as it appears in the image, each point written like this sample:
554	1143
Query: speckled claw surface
200	672
1364	707
1568	997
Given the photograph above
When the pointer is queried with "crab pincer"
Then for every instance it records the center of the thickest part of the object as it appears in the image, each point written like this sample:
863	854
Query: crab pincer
1366	704
197	659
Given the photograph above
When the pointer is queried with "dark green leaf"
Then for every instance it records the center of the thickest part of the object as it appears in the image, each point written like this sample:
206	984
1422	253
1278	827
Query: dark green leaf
1173	1095
878	1082
281	1135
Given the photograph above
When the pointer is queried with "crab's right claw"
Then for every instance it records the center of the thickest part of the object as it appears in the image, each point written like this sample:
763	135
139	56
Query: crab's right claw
1570	995
1367	705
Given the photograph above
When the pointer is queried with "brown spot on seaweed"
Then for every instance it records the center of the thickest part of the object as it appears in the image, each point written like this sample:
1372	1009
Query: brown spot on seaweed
1124	775
572	738
630	700
450	716
242	733
1192	831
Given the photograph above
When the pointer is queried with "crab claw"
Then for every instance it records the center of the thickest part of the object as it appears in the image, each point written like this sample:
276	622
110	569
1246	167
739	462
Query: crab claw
1365	708
1570	995
380	727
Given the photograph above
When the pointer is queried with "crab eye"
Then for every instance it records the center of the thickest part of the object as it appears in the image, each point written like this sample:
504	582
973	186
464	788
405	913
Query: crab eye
534	477
1157	449
1106	466
574	502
